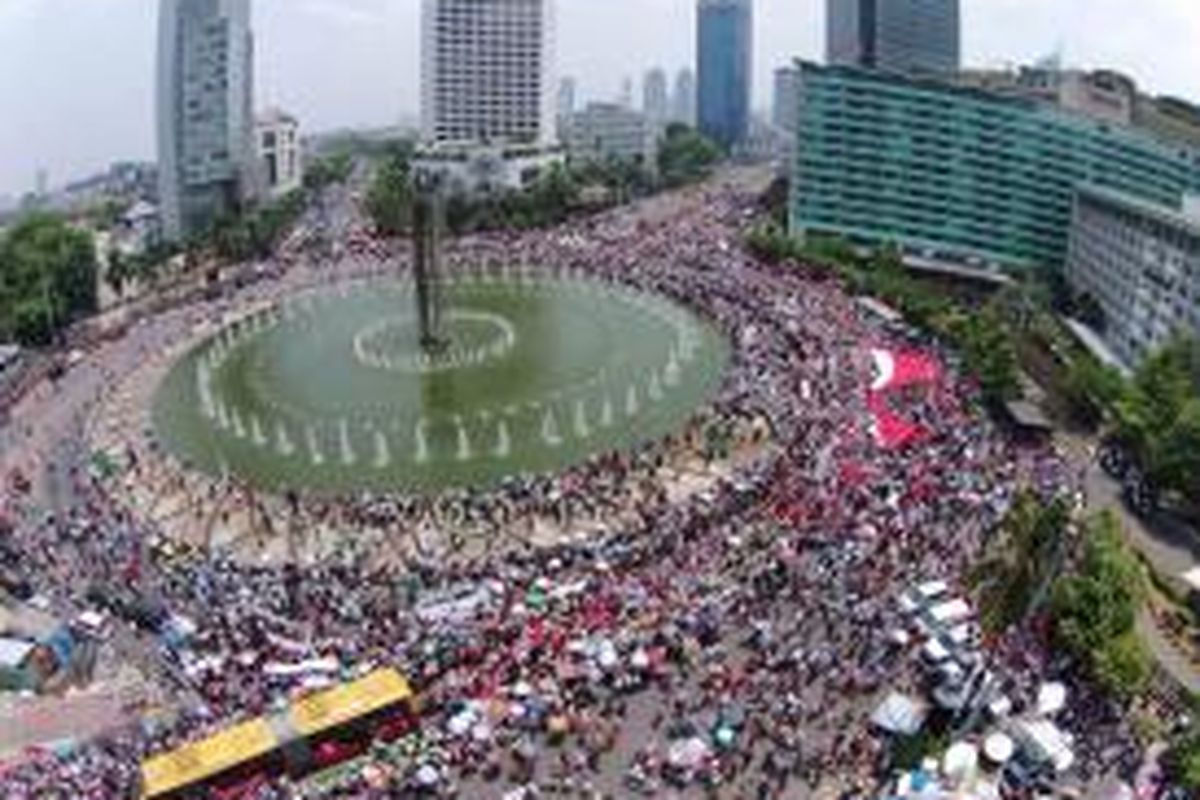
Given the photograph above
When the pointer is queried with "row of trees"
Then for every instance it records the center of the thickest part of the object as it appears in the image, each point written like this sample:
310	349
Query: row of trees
1096	608
1025	555
47	278
1184	759
1156	418
685	156
252	233
979	335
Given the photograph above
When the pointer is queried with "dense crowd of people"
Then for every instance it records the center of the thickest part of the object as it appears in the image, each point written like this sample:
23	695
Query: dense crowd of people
728	644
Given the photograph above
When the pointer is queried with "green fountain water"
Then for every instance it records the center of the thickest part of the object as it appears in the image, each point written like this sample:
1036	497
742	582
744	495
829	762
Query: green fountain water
332	391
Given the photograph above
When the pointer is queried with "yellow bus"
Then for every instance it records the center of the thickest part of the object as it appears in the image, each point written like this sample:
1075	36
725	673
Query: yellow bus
315	732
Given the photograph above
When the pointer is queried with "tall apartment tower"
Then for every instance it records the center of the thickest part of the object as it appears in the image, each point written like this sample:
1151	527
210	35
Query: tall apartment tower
683	99
487	71
724	44
656	99
909	36
205	110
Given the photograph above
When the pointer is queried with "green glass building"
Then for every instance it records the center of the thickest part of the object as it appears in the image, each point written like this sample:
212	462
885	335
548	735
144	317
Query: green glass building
960	174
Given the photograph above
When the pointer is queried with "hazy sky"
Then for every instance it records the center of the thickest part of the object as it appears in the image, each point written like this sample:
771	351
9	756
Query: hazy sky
77	76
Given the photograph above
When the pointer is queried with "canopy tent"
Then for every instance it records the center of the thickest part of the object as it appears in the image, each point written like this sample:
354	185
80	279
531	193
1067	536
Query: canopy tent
1051	698
900	714
1045	742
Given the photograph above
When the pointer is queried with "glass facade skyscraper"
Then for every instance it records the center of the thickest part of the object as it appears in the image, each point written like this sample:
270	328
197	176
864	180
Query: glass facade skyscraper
205	111
894	35
960	173
724	43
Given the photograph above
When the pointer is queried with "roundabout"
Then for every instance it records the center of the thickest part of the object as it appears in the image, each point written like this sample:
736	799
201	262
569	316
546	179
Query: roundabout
329	390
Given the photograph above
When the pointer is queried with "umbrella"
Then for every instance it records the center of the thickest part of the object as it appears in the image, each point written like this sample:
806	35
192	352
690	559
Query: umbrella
687	753
998	748
427	775
724	736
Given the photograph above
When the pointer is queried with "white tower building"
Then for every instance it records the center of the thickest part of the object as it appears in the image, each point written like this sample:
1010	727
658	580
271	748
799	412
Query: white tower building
487	73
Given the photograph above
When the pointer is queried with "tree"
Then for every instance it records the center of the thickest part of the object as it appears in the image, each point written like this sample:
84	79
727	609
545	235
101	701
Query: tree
326	171
1122	666
1091	388
389	197
117	271
1183	761
1178	465
1156	417
47	278
1095	610
685	155
987	353
1026	556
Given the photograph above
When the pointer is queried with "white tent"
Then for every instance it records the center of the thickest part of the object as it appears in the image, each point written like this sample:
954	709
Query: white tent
1044	741
951	612
960	762
899	714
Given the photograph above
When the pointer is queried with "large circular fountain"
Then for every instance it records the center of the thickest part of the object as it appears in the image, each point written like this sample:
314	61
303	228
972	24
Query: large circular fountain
331	390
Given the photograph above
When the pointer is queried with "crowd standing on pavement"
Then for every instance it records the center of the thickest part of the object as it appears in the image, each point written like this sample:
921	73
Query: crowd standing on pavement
728	644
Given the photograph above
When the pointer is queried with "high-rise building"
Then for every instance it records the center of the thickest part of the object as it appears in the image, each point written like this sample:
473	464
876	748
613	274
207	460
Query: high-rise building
683	100
1140	263
277	143
487	71
625	98
961	174
785	110
723	56
609	131
893	35
656	101
205	111
565	105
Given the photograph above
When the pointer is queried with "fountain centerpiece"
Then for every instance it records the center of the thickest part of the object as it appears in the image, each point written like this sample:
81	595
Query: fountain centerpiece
437	378
428	219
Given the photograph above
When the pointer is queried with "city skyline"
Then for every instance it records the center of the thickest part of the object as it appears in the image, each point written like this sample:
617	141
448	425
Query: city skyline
369	72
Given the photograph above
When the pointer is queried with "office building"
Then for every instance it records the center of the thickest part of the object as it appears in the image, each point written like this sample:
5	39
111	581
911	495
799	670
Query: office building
610	131
565	105
277	139
683	98
1140	262
656	99
785	112
893	35
625	98
205	111
487	72
961	174
724	43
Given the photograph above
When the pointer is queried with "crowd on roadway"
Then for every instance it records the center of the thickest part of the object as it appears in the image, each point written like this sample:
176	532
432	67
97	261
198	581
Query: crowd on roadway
731	643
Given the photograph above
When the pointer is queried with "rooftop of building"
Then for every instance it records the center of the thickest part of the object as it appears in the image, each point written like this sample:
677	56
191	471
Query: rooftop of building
948	85
1171	217
275	116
